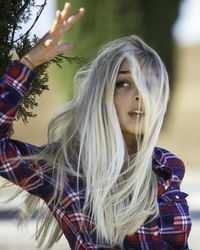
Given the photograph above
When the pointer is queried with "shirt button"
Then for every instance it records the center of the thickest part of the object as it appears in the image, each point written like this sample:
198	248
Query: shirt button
177	197
155	233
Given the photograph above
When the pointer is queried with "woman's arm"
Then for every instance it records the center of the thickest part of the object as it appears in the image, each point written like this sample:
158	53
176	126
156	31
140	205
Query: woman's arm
14	85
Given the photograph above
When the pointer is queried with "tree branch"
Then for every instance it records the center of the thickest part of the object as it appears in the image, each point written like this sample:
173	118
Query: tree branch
17	17
37	17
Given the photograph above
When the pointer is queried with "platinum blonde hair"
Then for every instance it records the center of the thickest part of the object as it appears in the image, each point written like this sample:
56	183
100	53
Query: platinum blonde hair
85	140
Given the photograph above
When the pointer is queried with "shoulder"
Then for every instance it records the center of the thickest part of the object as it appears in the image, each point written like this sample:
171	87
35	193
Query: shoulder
171	161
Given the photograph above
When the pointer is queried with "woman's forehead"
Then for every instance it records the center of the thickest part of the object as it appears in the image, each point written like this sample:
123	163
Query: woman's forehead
124	67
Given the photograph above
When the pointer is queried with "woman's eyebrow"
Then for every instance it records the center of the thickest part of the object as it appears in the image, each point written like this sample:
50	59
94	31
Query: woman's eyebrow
124	72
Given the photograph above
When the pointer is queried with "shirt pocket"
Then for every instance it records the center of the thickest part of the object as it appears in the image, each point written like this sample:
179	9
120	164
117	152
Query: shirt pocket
172	196
174	212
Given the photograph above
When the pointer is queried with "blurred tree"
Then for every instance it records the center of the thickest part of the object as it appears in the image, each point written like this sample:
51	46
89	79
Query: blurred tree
106	20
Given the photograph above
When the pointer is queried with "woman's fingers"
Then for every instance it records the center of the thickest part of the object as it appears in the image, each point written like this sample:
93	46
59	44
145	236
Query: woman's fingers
60	18
48	47
66	11
62	24
71	20
64	47
57	23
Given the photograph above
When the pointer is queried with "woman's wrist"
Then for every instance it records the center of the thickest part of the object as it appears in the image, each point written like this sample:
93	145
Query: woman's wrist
26	60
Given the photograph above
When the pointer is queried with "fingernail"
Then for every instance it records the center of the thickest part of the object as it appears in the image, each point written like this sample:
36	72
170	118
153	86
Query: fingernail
67	4
81	9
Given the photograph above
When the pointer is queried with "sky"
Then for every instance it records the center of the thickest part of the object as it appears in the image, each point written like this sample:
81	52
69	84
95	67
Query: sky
186	29
46	19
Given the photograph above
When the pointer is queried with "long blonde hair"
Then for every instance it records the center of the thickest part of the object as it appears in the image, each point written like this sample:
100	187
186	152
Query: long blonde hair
85	140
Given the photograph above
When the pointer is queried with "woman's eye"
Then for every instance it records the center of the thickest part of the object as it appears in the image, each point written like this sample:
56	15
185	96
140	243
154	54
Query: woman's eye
122	84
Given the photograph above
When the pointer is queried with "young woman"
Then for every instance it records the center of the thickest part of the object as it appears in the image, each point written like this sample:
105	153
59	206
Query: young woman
100	174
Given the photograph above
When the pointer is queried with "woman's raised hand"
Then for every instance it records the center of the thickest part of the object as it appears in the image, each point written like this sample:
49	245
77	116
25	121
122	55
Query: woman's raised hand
48	46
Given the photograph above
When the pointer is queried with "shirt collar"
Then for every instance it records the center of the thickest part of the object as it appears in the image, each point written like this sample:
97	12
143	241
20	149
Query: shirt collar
160	166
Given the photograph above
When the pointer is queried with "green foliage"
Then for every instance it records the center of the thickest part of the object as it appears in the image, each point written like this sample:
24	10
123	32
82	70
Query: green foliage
13	13
39	83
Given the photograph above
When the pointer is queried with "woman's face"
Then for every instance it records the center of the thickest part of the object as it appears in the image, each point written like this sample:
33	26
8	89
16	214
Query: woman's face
128	103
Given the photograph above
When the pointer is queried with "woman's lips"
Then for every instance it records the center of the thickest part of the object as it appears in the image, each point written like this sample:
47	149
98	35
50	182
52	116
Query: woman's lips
136	115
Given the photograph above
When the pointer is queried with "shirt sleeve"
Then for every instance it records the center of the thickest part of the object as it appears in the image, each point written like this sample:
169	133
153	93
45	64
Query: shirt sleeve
178	171
174	210
14	85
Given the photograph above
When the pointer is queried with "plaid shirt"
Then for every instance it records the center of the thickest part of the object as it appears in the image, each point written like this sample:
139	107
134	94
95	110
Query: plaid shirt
169	231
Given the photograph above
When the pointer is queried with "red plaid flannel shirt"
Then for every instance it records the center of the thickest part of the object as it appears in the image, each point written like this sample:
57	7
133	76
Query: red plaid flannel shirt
169	231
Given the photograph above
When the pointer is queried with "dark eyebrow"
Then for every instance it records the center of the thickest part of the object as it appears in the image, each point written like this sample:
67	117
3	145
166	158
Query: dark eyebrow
124	72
